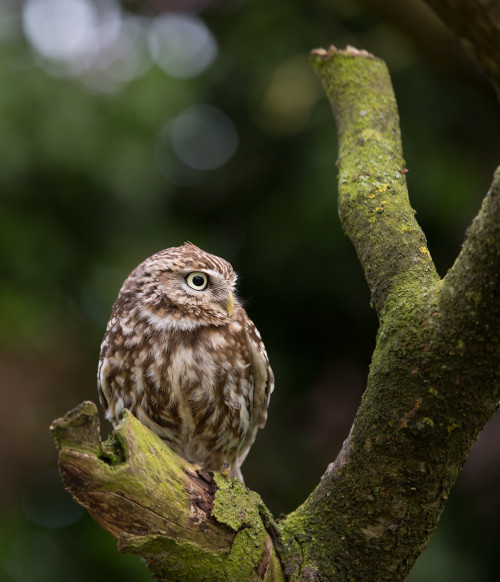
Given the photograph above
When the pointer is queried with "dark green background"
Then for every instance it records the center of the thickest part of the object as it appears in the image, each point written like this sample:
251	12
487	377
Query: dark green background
87	191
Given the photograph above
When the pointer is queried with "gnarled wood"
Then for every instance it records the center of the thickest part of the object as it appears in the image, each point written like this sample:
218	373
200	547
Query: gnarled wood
187	523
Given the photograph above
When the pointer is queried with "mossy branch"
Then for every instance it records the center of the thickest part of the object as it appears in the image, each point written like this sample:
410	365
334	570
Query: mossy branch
473	280
434	379
188	524
373	200
434	382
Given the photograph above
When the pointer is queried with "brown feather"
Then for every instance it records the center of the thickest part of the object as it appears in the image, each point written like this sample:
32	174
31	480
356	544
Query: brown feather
194	374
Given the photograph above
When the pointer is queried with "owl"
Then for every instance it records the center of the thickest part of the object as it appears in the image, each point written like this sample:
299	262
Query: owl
182	355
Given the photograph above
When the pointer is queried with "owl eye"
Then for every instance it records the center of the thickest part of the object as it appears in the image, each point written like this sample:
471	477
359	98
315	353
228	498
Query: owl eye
197	280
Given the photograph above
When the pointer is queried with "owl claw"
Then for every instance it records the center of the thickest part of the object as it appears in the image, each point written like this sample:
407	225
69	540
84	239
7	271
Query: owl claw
226	469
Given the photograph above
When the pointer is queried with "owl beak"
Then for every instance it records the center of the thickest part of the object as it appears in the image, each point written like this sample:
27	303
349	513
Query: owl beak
229	304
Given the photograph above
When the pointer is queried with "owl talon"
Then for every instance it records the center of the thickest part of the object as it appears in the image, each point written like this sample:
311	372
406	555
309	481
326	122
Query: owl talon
226	469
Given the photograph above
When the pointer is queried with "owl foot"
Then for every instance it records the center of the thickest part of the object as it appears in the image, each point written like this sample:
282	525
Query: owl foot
226	469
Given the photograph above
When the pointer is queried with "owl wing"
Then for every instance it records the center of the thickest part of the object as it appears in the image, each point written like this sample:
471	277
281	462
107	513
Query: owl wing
263	385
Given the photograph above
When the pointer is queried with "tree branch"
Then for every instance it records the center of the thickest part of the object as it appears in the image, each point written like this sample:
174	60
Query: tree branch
477	24
476	271
187	523
433	380
373	200
433	384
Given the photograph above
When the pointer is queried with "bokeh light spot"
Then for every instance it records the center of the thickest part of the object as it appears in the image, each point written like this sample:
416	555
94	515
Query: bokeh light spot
182	45
58	29
95	42
203	137
285	104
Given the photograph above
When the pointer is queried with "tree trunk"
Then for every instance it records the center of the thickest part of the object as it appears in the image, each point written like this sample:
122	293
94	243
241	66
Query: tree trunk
434	382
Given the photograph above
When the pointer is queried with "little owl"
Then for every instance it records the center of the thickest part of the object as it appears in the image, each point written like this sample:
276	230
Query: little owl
182	355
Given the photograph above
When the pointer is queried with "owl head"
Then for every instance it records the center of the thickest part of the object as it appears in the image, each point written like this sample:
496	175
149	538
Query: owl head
181	287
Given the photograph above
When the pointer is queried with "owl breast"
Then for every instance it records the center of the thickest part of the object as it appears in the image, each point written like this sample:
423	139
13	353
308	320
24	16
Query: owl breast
194	388
183	356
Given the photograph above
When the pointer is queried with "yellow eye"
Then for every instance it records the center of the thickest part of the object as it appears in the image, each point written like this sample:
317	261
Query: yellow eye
197	281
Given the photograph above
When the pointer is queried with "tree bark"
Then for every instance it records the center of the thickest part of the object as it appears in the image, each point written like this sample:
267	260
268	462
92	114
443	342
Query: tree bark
433	384
188	524
477	24
434	380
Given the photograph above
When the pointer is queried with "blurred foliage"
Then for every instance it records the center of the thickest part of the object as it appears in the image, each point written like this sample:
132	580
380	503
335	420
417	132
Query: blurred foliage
92	182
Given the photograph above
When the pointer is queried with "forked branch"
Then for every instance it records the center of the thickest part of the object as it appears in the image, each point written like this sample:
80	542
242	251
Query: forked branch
433	384
433	381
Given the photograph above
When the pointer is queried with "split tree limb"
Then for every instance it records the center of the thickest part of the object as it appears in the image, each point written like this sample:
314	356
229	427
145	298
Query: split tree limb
187	523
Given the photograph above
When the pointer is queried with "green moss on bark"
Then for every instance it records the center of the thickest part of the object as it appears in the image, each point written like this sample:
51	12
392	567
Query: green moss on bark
373	201
188	524
433	380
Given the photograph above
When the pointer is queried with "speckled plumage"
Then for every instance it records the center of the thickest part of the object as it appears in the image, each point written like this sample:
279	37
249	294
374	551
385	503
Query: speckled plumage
179	357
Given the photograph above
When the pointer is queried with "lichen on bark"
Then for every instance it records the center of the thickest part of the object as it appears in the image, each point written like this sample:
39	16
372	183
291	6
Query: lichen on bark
433	383
379	503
